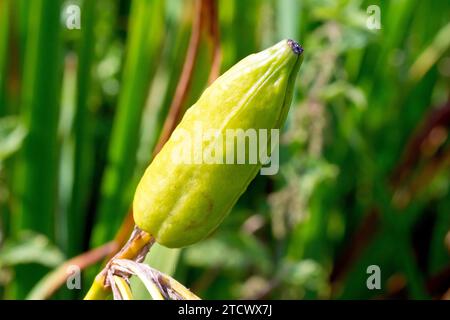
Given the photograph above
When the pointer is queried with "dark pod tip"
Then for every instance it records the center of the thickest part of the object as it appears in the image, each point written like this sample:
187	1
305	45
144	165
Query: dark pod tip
296	48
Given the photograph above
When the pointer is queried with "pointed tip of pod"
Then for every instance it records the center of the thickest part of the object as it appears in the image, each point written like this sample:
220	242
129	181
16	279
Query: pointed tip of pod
296	48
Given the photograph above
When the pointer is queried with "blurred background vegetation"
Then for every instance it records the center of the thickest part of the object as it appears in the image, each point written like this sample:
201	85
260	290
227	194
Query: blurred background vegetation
365	153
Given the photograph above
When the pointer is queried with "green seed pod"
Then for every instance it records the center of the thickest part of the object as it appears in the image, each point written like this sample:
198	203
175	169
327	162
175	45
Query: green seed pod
182	202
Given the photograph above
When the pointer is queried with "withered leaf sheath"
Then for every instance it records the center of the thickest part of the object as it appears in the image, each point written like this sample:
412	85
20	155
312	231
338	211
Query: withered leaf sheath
181	203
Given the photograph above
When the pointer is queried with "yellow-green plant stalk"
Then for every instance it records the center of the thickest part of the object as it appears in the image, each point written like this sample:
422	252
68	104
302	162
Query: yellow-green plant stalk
180	203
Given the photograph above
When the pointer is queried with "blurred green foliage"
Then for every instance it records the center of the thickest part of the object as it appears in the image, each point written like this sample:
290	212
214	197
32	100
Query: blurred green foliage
365	155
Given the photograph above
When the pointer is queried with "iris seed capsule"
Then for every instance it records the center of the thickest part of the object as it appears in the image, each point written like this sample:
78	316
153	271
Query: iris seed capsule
182	202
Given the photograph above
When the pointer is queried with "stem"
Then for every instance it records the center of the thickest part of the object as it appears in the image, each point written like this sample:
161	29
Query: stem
55	279
98	291
136	248
123	288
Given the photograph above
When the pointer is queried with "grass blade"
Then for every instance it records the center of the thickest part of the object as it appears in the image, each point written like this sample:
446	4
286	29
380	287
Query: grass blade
83	149
37	171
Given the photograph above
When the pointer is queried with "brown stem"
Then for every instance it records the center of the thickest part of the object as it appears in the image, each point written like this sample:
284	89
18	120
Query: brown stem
184	83
214	35
123	234
439	117
360	239
58	277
